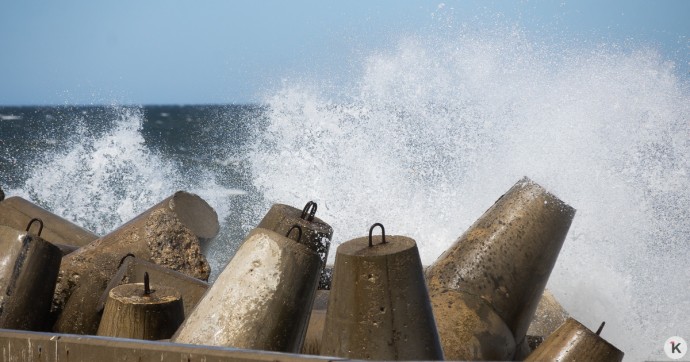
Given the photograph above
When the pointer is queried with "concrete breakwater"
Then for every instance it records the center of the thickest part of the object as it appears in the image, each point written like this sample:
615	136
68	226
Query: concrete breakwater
483	299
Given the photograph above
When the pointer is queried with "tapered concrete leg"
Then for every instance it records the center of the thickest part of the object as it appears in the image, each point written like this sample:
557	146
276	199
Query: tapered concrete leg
142	311
505	257
16	213
261	300
379	306
317	233
28	270
575	342
169	234
133	270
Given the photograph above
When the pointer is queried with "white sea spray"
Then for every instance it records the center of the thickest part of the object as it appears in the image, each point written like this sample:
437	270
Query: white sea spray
438	128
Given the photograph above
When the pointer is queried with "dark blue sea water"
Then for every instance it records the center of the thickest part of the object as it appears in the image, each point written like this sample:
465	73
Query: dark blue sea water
429	134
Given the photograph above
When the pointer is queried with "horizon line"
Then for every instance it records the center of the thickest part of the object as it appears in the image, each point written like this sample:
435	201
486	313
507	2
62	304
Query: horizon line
56	105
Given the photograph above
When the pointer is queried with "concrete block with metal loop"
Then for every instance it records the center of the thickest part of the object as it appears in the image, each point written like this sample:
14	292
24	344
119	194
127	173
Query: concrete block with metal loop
502	262
379	306
572	341
142	311
29	269
172	233
133	269
317	233
16	212
263	297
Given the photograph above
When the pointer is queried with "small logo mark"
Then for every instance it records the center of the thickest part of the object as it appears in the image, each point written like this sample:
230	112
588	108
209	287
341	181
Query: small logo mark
675	347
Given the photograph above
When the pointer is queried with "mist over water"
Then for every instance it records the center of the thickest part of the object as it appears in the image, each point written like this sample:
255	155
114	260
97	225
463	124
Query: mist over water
436	129
429	134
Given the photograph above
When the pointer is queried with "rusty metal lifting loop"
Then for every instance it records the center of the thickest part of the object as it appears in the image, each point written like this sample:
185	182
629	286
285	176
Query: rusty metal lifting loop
147	285
600	328
125	257
299	235
383	234
40	227
312	205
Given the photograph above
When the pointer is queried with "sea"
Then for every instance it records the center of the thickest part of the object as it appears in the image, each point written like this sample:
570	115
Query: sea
426	135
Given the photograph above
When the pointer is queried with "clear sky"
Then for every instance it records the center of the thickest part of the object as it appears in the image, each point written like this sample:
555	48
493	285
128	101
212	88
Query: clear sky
219	51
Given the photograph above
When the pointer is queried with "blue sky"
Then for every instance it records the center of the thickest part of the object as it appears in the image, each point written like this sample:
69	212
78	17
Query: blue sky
190	52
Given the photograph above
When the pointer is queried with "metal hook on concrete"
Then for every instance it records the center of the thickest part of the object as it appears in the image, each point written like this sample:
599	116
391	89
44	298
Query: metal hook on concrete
147	285
40	227
310	205
299	235
600	328
125	257
383	234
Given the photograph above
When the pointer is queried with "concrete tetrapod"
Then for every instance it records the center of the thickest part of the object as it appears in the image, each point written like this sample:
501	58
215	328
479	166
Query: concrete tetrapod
317	233
505	258
379	306
133	270
142	311
170	234
28	270
574	342
261	300
16	213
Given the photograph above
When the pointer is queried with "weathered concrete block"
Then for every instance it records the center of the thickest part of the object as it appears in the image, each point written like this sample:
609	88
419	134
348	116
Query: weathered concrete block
170	234
142	311
133	270
505	258
379	306
574	342
261	300
16	213
317	233
28	270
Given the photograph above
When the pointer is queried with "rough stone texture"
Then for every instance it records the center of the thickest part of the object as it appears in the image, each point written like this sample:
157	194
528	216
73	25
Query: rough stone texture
507	255
156	235
379	306
574	342
172	244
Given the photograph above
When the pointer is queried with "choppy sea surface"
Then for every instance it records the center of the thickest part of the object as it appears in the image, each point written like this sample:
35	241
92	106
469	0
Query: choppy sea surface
429	134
